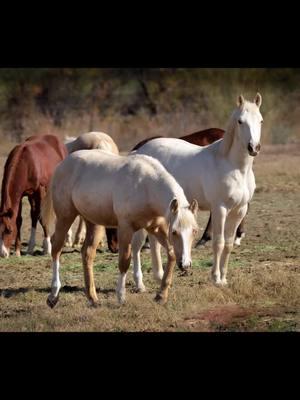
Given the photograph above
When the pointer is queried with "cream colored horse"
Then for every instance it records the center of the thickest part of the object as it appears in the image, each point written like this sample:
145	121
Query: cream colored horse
87	141
129	193
219	176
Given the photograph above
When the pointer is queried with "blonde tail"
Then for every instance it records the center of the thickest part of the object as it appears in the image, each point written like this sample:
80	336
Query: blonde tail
47	210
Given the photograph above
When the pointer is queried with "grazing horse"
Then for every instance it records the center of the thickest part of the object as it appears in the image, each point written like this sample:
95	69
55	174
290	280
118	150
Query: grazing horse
27	172
219	176
89	141
128	192
204	138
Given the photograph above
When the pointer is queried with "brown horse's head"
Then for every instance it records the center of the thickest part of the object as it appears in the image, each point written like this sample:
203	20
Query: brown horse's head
6	232
112	239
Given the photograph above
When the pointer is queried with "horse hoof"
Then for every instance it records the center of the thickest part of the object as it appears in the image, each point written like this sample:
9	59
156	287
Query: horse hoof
94	303
52	301
201	242
160	299
140	289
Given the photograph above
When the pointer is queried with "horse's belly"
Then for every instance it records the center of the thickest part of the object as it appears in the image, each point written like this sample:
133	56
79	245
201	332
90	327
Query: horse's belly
98	210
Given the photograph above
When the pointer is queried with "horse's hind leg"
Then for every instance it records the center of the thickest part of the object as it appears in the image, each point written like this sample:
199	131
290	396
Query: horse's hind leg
125	233
240	232
57	240
18	238
137	244
35	205
232	222
207	235
88	253
80	233
46	241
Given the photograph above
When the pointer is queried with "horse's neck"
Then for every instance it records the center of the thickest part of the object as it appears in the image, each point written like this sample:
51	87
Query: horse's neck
162	198
12	189
239	157
232	149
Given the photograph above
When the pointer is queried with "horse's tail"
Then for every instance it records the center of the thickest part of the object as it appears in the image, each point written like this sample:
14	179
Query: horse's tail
47	210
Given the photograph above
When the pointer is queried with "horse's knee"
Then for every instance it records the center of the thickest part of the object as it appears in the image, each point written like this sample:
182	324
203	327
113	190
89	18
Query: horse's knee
218	244
228	247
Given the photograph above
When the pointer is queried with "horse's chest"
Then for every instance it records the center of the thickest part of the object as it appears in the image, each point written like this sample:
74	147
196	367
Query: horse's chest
239	190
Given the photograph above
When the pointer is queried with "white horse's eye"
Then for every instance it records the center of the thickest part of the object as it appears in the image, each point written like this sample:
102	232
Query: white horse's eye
174	232
239	121
262	121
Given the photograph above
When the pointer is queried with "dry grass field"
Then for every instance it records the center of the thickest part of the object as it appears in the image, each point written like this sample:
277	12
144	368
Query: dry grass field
264	274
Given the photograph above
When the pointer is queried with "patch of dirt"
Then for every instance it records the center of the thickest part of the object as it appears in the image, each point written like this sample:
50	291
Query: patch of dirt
238	318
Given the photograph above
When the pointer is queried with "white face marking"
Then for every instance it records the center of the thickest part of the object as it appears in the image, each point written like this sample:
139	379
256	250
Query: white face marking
250	120
186	235
3	250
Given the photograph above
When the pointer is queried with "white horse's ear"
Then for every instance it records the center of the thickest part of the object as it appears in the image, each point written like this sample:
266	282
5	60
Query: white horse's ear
194	206
258	99
240	101
174	206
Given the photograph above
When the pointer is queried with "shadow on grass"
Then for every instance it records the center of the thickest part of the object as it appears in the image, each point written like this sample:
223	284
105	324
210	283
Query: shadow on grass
9	292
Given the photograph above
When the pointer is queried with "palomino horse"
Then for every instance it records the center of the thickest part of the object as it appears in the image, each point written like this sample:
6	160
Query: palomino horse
204	138
130	193
90	141
27	172
219	176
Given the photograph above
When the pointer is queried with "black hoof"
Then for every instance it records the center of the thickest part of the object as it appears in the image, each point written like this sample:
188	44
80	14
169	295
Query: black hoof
51	302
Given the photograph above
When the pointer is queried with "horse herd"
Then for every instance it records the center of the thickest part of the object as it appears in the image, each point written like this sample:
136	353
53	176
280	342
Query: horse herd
153	191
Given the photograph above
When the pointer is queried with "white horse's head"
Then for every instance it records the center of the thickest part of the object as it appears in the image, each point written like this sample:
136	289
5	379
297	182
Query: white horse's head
249	120
183	227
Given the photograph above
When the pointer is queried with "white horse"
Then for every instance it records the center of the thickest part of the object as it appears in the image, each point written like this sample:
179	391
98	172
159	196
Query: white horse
219	176
130	193
87	141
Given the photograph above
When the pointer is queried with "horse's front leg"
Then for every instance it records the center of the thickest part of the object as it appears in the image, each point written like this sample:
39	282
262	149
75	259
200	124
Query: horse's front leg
232	222
125	233
162	236
219	215
19	224
88	253
157	267
137	244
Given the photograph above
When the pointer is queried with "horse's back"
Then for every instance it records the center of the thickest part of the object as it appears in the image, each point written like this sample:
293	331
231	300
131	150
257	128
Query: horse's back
204	137
93	140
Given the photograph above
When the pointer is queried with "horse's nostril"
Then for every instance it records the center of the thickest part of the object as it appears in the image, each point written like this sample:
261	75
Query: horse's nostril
250	148
258	147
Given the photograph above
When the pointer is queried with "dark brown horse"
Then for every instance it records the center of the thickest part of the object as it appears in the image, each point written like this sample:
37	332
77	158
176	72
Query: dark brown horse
27	172
203	138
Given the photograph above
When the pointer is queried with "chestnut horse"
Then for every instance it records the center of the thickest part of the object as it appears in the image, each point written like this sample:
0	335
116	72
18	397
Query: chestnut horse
27	172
